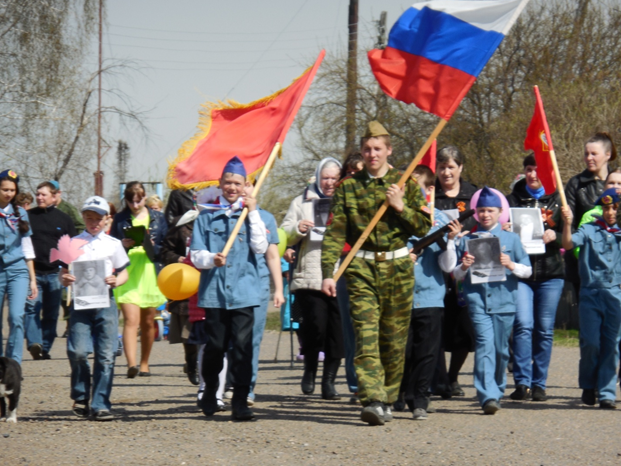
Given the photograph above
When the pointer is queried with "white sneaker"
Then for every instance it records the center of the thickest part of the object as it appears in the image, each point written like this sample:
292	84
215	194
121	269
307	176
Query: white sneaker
228	395
420	414
250	402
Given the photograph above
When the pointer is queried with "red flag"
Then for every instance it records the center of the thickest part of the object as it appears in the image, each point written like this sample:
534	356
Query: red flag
249	131
429	158
539	141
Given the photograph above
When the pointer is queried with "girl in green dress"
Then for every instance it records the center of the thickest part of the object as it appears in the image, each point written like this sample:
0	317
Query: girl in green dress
140	296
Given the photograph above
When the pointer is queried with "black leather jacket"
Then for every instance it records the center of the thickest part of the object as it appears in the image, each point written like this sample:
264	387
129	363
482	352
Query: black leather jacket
582	191
460	202
549	265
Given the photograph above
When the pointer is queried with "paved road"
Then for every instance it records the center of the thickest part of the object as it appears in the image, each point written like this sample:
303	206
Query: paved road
158	423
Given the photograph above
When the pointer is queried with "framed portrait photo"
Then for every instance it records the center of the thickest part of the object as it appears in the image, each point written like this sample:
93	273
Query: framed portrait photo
90	290
487	267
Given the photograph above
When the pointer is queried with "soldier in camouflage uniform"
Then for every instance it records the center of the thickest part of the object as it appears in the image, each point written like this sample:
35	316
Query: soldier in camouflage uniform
380	279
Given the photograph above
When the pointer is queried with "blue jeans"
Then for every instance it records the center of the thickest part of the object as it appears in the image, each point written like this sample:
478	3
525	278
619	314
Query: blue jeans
41	315
600	330
349	340
260	317
491	353
96	329
533	331
14	282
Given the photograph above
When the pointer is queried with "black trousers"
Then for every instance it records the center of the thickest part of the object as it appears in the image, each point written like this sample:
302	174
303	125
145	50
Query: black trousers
321	328
228	328
421	354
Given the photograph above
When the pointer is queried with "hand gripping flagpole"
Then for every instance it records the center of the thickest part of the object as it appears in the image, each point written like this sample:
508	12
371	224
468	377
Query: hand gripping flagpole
408	172
255	192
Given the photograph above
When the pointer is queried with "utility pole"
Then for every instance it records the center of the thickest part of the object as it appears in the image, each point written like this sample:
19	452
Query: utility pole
99	173
382	98
352	76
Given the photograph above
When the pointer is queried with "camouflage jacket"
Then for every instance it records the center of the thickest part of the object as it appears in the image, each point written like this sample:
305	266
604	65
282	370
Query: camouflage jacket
356	200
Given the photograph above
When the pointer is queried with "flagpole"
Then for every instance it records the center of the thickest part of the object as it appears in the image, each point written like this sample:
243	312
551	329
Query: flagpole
255	192
559	181
408	172
432	204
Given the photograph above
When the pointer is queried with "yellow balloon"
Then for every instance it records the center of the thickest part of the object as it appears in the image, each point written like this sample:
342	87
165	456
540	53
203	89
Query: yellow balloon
178	281
282	242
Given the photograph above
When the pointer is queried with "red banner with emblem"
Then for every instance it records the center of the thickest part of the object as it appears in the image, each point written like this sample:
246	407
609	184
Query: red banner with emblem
539	141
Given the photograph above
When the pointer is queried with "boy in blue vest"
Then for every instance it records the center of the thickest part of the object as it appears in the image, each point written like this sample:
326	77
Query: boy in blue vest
599	266
425	332
491	305
229	289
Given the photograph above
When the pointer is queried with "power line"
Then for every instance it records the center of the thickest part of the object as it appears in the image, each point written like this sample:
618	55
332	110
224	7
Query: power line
268	47
205	41
209	51
217	33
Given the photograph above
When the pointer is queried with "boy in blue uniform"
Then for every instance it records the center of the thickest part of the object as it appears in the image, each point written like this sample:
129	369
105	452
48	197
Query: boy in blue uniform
229	289
599	265
95	328
425	332
491	305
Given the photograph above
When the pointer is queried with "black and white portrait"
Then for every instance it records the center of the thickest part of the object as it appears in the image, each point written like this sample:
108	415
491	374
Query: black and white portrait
487	266
89	289
321	215
528	224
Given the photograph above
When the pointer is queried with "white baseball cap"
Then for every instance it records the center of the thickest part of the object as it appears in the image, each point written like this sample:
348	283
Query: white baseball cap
97	204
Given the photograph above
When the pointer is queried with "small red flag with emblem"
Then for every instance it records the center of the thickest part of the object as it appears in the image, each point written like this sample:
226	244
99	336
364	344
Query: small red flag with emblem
429	158
539	141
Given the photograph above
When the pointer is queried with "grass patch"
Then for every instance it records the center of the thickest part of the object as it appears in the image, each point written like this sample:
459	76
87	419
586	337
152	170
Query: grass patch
568	338
273	321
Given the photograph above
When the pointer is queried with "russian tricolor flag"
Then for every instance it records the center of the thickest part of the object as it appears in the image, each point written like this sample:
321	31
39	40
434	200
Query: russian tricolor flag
437	49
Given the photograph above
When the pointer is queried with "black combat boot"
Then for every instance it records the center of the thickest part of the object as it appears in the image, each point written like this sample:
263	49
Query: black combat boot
310	372
239	404
330	368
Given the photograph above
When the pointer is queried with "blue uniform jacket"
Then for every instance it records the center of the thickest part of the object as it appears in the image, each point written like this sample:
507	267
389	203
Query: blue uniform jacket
237	284
157	228
272	238
599	263
495	297
11	241
429	285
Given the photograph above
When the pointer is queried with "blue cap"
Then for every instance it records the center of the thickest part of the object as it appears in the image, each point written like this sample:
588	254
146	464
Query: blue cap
488	198
10	174
56	184
608	197
236	166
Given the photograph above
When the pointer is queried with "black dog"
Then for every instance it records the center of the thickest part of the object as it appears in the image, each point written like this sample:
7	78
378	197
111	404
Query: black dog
10	386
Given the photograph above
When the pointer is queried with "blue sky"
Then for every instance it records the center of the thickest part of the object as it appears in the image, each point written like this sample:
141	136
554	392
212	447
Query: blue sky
192	51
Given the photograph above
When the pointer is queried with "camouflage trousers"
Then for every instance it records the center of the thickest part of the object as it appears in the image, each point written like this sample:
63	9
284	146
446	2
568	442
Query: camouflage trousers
380	296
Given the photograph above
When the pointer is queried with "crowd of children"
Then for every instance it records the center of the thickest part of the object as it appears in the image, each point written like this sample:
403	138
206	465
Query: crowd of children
395	291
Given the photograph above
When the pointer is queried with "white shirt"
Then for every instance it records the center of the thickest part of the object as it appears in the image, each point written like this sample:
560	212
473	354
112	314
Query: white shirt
103	247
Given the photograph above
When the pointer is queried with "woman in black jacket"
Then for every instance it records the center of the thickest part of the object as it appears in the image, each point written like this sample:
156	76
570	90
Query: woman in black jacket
453	193
583	190
538	296
140	296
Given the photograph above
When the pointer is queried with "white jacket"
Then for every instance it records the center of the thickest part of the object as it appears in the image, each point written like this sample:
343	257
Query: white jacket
307	274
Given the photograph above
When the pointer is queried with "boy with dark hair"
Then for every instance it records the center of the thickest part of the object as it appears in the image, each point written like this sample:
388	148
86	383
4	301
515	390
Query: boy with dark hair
230	288
380	278
599	266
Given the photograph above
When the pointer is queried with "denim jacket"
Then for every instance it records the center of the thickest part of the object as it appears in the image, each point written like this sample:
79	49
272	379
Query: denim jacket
11	242
235	285
599	263
429	286
157	228
495	297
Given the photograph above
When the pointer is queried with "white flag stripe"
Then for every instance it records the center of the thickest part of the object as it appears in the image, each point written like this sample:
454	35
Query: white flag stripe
489	15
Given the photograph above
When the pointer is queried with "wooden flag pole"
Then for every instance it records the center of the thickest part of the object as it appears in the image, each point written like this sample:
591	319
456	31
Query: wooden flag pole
255	192
432	204
384	207
559	181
